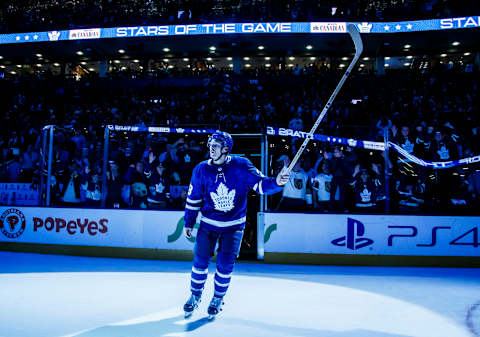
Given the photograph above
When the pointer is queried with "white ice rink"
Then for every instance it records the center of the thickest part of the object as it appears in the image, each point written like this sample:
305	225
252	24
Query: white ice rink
47	295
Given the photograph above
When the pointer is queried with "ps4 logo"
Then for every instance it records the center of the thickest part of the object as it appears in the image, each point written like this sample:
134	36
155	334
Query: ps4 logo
53	35
365	27
353	240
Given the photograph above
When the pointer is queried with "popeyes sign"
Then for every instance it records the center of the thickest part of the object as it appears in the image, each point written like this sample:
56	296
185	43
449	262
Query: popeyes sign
124	228
71	226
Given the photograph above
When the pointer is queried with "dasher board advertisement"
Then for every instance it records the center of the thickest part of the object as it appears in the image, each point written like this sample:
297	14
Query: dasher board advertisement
371	234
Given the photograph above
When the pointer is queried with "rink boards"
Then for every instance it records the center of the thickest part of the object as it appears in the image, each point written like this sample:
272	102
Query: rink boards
368	239
347	239
95	232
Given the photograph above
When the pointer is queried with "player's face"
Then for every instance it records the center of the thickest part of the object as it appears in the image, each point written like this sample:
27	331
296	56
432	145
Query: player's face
215	150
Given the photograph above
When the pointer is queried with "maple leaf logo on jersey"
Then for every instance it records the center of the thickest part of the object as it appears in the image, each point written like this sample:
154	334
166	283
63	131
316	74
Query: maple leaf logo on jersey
159	187
365	195
223	199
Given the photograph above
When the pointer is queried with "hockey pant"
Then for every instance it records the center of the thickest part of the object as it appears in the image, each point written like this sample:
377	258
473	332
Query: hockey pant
228	249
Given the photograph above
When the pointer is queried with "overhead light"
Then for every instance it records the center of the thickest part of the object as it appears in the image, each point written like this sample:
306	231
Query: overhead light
231	65
121	51
387	58
246	58
267	65
3	67
344	58
290	64
19	65
267	58
170	67
209	58
123	68
56	64
80	53
248	65
229	58
140	67
366	58
406	64
83	63
407	46
212	48
13	72
291	58
409	57
186	59
466	54
38	55
166	50
456	43
387	65
362	65
261	47
309	47
443	55
312	58
91	69
136	61
117	61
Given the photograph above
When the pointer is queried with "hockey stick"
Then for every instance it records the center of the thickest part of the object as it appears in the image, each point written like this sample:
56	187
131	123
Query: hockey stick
357	41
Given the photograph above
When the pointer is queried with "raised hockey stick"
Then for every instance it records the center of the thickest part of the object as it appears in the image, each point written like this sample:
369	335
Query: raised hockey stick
357	41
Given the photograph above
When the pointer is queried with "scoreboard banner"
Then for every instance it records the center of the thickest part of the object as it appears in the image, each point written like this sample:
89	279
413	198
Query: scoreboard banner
366	27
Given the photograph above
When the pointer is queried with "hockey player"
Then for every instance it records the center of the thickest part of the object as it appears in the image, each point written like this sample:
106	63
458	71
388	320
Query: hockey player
218	189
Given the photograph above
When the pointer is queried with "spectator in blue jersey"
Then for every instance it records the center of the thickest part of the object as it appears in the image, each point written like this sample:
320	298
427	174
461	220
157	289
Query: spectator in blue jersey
93	189
365	191
158	187
219	188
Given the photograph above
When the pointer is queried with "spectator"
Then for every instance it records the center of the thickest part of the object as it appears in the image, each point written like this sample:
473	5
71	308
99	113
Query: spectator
322	186
365	192
158	188
29	161
114	186
71	184
14	167
93	190
341	176
295	190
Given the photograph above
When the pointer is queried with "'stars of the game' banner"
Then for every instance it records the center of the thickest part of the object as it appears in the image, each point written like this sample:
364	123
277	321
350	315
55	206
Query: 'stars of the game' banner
366	27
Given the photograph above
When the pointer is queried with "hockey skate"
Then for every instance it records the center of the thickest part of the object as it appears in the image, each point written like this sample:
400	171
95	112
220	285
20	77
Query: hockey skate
191	305
215	307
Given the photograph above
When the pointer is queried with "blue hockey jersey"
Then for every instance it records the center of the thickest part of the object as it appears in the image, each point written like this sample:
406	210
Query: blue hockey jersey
219	192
